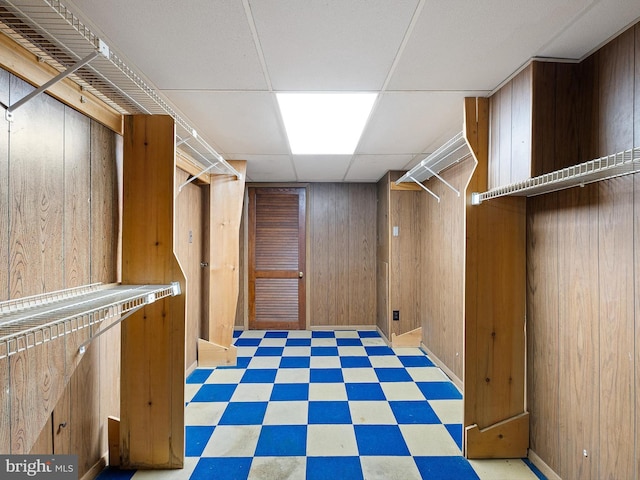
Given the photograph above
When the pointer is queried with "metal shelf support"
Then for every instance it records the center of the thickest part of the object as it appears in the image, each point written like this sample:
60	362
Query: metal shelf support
444	181
102	50
426	189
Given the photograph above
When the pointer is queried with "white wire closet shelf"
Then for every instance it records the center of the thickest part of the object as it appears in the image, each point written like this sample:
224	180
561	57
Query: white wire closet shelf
615	165
30	321
453	151
49	30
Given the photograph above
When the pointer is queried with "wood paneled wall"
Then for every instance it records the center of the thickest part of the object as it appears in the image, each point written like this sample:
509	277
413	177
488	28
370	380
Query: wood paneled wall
510	131
583	319
442	268
383	255
342	256
59	215
189	240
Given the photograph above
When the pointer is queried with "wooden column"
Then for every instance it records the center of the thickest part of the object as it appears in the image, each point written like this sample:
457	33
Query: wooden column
225	211
153	339
495	421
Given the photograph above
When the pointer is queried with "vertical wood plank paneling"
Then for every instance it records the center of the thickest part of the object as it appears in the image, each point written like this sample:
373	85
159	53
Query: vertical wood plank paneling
543	358
44	443
321	282
404	264
5	398
341	254
616	88
4	192
342	263
617	328
578	381
382	255
105	207
36	203
362	251
189	244
106	152
44	367
568	119
77	184
544	118
5	405
493	164
506	134
84	421
521	126
60	428
636	237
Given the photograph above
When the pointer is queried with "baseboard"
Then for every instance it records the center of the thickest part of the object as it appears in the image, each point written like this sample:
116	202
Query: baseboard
97	468
191	368
341	327
448	372
546	470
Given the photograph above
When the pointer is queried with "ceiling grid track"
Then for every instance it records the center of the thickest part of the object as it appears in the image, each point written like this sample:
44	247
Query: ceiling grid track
51	32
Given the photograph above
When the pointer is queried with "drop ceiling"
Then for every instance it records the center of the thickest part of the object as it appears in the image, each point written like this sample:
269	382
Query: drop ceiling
220	63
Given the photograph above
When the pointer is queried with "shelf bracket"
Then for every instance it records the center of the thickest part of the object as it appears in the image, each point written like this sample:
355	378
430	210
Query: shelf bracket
475	198
193	177
443	180
426	189
103	50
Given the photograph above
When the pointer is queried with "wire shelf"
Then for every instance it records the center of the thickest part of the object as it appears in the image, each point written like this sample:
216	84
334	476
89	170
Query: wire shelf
451	152
30	321
616	165
50	31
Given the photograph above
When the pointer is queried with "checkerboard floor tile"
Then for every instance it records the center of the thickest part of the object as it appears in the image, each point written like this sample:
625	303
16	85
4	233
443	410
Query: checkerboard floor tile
314	405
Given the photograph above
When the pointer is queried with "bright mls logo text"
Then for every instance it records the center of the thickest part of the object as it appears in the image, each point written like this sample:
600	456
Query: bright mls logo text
51	467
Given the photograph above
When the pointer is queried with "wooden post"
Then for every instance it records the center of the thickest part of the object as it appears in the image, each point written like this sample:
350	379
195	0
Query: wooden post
496	424
225	212
153	339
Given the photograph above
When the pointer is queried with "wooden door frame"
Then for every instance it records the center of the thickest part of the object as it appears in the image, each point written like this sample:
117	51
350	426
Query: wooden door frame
245	246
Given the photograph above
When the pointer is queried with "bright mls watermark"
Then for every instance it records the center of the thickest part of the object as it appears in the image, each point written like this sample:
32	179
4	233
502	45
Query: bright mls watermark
49	467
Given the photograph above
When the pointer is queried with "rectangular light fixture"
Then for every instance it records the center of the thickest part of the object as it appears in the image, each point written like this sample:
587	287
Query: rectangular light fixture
325	123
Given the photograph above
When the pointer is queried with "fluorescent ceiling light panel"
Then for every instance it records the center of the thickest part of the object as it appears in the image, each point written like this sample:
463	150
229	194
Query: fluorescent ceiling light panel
325	123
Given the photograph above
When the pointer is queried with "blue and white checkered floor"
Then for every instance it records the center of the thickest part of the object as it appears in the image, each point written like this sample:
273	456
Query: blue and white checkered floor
326	405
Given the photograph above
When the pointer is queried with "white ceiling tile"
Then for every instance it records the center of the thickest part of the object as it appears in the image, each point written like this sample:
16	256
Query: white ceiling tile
267	168
199	44
596	25
370	168
321	168
410	122
462	45
245	123
330	44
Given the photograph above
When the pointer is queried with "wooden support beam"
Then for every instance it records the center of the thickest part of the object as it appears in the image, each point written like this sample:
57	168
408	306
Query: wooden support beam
506	439
153	339
494	310
225	211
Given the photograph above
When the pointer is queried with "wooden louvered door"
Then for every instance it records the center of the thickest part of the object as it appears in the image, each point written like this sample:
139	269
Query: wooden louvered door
277	240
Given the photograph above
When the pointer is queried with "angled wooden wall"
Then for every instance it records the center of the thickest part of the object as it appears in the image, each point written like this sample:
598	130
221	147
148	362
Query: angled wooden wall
226	198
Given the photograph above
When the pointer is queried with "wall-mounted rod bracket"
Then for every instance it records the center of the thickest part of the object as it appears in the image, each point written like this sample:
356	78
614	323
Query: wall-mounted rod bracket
443	181
83	347
103	50
193	177
426	189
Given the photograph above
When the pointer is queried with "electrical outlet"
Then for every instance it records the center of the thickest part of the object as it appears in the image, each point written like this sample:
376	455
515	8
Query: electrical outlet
396	315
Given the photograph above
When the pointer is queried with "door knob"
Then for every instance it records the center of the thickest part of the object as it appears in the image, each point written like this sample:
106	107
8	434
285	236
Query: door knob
300	274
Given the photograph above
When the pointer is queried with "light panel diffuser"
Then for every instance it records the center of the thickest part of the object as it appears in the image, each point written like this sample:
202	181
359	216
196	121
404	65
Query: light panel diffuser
325	123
